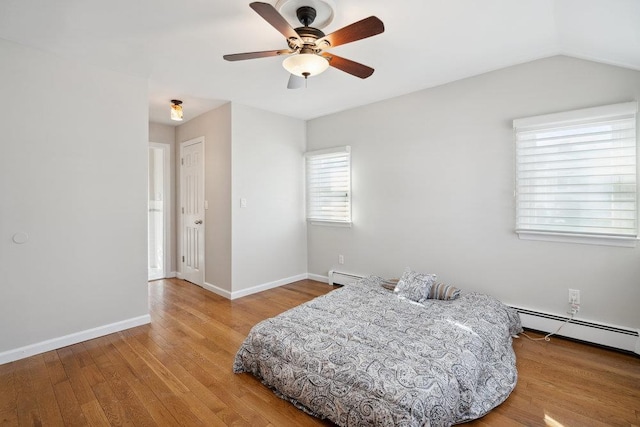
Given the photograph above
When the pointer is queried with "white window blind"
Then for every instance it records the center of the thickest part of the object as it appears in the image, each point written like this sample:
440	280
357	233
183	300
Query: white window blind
328	174
576	173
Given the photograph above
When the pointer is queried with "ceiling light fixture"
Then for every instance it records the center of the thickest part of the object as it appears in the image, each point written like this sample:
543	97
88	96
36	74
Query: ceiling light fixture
305	64
176	110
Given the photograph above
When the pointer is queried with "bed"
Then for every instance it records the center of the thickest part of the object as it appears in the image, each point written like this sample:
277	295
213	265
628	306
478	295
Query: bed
362	355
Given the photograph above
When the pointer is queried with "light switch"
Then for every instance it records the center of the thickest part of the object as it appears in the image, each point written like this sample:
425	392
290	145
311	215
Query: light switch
206	204
243	202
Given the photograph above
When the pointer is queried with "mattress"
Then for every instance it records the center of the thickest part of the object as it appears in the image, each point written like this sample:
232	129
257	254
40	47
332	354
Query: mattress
361	355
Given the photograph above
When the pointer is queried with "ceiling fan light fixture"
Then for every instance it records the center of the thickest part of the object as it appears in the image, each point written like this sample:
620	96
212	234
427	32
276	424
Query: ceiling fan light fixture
176	110
305	64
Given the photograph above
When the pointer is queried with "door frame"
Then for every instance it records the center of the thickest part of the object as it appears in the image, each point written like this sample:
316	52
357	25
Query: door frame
166	206
180	209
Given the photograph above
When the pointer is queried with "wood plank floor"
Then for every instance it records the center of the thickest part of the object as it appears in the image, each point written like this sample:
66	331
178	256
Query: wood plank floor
177	371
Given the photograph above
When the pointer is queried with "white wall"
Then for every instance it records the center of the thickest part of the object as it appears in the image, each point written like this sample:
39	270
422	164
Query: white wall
162	133
257	155
73	177
215	126
165	134
269	235
433	181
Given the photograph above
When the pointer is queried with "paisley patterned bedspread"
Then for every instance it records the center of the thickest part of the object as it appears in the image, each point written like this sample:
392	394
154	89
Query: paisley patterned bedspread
360	355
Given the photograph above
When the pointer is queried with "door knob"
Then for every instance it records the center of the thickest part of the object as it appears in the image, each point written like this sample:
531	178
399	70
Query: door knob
198	221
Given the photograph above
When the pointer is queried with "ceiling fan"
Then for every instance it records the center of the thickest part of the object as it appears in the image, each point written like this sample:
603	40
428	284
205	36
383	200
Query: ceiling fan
306	55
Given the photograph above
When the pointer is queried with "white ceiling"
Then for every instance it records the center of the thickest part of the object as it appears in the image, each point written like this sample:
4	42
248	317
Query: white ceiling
178	45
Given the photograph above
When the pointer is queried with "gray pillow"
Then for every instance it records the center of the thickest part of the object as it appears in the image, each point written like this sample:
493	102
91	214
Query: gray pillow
415	286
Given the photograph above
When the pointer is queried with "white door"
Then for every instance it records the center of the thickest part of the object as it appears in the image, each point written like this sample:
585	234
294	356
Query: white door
192	210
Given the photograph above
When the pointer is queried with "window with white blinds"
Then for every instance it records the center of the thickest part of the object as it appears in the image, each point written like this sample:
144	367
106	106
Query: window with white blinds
328	176
576	174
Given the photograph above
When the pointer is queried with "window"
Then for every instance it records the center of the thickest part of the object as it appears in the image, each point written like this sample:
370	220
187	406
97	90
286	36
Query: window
576	176
328	175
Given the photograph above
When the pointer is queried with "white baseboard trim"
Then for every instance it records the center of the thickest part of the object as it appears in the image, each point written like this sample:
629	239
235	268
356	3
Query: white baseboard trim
55	343
254	289
172	274
598	333
318	278
216	290
266	286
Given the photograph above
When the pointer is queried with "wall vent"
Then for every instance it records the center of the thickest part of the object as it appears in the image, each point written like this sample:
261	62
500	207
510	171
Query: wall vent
342	278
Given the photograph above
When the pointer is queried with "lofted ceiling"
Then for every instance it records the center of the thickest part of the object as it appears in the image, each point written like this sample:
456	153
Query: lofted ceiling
178	45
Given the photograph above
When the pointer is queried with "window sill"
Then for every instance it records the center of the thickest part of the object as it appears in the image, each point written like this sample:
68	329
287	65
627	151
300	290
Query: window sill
584	239
339	224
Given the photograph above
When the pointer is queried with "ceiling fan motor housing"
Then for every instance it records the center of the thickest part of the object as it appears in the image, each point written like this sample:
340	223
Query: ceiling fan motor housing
309	32
309	35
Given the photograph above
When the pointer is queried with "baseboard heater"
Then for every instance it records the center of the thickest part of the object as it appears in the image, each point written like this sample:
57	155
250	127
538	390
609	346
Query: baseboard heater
582	330
342	278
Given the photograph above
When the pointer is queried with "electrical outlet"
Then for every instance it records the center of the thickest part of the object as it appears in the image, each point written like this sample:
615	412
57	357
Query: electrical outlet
340	259
574	296
574	301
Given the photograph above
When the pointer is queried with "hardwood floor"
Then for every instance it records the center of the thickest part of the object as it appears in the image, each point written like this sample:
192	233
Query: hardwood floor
177	371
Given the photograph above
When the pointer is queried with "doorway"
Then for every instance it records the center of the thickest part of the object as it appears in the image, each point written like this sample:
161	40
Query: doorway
159	198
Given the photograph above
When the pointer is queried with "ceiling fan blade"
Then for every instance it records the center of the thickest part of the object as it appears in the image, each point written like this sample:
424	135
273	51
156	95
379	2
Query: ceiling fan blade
348	66
357	31
295	82
273	17
253	55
